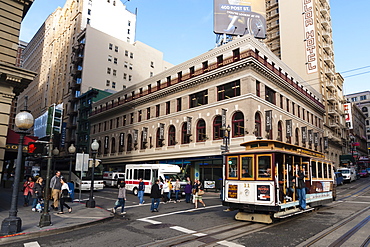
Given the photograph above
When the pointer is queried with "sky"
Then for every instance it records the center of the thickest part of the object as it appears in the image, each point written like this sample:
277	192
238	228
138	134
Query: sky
184	29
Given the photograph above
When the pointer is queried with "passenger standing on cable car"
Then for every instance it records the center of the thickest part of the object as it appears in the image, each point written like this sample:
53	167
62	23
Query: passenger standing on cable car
301	189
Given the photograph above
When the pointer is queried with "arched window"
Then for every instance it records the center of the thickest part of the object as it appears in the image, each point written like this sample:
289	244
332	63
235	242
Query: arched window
238	124
217	125
143	143
106	148
158	140
201	131
129	142
172	136
185	138
280	131
257	125
364	109
113	149
296	136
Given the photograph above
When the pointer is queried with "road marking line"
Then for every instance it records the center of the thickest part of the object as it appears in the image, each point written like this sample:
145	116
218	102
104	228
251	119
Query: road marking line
31	244
199	234
182	229
183	211
151	221
229	244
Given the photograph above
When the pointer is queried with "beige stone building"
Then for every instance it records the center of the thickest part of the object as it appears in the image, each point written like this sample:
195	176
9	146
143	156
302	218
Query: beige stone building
86	44
177	116
300	33
13	79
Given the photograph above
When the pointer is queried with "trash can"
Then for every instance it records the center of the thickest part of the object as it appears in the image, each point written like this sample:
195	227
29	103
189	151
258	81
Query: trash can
71	190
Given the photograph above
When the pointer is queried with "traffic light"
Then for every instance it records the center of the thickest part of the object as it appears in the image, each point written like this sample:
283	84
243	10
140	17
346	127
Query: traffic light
37	148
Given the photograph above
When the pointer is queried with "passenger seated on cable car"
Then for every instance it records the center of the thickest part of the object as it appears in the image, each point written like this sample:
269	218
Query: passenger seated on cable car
267	173
245	174
288	193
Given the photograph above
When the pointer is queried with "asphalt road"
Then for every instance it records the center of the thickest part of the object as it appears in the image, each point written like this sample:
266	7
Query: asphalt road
180	225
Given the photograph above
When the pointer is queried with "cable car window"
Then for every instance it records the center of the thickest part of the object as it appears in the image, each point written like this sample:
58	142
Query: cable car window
232	167
325	170
330	170
247	167
313	167
319	170
264	167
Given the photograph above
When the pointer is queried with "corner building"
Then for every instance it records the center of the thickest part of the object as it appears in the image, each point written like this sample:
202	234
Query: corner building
300	33
176	116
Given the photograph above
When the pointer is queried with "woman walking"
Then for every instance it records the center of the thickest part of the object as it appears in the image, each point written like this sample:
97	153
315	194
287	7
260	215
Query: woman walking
188	190
38	193
198	193
28	191
121	198
64	197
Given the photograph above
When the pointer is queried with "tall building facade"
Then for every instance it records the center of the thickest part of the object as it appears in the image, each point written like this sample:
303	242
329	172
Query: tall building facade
13	79
362	100
300	33
177	116
73	50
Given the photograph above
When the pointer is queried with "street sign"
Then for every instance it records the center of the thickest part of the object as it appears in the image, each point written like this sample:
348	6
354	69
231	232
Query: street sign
82	162
223	148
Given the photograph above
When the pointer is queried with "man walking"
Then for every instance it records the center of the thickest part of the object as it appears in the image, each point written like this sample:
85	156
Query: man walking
55	186
140	192
155	194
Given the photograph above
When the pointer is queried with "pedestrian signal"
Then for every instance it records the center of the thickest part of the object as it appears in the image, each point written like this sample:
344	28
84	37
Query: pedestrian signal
36	148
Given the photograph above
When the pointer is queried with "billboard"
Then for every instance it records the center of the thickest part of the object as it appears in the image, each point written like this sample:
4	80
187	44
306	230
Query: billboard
348	115
240	17
310	36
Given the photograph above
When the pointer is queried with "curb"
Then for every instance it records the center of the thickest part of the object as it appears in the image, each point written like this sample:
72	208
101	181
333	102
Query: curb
42	233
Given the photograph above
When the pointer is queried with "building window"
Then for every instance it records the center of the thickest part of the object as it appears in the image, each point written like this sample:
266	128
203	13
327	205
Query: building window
131	118
139	115
159	141
287	105
113	84
168	81
257	125
179	103
148	113
168	107
258	88
280	131
126	53
157	110
128	31
185	138
238	124
354	99
88	21
110	46
151	74
124	120
125	65
109	58
172	136
297	136
228	90
281	102
107	84
201	131
130	67
129	77
152	64
131	55
364	109
108	70
220	60
114	72
270	95
129	142
89	11
217	125
124	76
205	65
115	61
198	99
117	122
116	48
113	145
363	97
158	85
149	88
293	108
299	111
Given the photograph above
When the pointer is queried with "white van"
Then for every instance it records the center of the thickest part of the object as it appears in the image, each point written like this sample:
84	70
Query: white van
149	173
349	174
111	178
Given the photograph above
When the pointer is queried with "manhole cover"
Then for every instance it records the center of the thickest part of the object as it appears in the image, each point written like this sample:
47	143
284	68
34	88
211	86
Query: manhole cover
158	226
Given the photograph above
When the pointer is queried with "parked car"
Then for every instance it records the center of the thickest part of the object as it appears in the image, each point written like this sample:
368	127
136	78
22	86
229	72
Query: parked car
339	178
363	174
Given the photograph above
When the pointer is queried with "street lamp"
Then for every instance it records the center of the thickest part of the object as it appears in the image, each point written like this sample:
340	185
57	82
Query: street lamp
13	224
226	136
71	150
91	202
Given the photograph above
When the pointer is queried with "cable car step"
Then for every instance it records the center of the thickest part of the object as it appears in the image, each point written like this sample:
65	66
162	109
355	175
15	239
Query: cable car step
291	212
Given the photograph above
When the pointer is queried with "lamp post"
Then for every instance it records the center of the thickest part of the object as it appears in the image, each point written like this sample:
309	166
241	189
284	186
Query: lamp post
71	150
226	136
91	202
13	224
55	153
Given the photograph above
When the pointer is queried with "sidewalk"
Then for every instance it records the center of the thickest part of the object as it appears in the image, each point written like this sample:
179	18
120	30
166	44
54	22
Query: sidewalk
80	216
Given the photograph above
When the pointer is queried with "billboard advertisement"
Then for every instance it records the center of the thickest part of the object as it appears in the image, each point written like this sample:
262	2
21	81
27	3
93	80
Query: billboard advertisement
240	17
310	36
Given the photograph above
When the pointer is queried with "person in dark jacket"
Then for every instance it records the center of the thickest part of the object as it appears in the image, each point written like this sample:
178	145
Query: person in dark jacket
155	194
188	190
140	192
301	189
38	193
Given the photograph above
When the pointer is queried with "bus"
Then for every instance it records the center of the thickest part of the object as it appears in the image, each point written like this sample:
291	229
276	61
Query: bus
149	173
260	181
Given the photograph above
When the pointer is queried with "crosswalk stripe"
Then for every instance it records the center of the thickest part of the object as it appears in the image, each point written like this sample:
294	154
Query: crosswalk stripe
31	244
230	244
